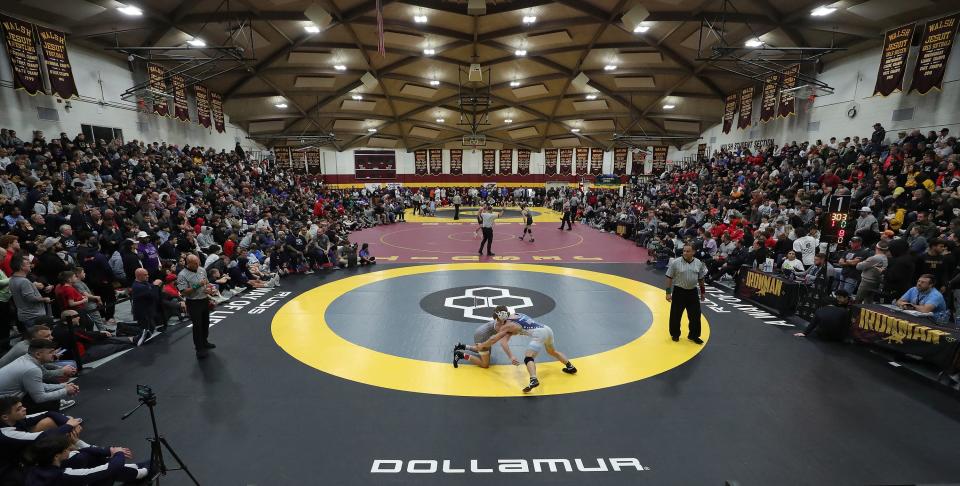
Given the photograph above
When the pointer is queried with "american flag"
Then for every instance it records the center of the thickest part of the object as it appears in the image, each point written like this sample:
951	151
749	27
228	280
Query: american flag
380	47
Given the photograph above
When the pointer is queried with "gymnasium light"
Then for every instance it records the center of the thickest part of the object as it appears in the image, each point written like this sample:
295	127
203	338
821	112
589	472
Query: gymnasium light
641	28
340	67
514	84
357	97
822	11
429	52
575	130
371	130
434	82
669	107
420	19
131	11
311	29
508	120
529	19
281	105
197	42
520	52
753	42
439	120
609	67
591	96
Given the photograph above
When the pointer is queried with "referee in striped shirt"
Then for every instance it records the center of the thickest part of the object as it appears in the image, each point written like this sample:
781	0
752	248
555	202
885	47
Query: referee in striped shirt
684	283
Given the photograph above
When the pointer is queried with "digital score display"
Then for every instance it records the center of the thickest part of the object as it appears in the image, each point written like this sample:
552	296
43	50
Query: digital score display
838	225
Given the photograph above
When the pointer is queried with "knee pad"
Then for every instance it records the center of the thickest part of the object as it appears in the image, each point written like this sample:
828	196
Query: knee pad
528	359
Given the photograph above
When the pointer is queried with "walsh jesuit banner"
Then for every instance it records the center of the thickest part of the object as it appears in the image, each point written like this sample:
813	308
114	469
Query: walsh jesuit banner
768	101
729	112
639	160
566	161
314	160
54	47
746	108
659	158
786	106
489	162
701	151
436	161
596	161
893	60
283	157
180	109
620	160
420	162
935	49
216	108
155	75
203	105
583	157
550	161
506	161
23	55
456	161
523	161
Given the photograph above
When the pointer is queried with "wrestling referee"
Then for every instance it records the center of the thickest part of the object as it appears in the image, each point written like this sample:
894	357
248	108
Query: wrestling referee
487	218
684	283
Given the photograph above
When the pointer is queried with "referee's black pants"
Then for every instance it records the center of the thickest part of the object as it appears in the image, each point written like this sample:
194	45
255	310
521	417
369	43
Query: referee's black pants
685	300
456	212
199	312
487	238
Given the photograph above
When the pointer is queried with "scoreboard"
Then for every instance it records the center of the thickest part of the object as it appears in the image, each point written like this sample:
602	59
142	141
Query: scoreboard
838	228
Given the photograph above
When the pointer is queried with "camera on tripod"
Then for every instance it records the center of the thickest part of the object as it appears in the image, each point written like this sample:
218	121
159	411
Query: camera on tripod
145	393
157	443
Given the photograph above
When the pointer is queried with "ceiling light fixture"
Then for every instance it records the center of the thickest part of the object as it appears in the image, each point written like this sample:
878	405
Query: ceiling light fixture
439	120
669	107
420	19
434	82
281	105
575	130
755	42
371	130
514	84
508	120
529	19
822	11
609	67
357	97
429	51
311	28
131	11
340	67
520	52
197	42
591	96
641	28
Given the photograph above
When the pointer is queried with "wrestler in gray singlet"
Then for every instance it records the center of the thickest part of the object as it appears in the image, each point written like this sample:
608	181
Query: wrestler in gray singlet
483	333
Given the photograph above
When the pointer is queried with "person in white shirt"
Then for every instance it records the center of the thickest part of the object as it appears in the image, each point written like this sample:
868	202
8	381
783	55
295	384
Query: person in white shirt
792	264
806	246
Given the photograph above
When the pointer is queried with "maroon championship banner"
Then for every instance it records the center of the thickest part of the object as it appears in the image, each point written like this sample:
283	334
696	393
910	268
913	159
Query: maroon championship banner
314	160
785	108
701	151
768	101
180	109
155	75
23	55
566	161
489	161
436	161
729	112
583	157
523	161
550	161
456	161
620	160
53	44
203	105
893	60
639	162
935	49
746	108
216	108
420	162
659	159
298	162
596	161
506	161
283	157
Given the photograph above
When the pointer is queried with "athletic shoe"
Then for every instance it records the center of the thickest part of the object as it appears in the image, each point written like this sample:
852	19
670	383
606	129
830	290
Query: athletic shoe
696	340
143	337
209	345
533	384
457	356
570	369
65	404
675	338
531	240
460	347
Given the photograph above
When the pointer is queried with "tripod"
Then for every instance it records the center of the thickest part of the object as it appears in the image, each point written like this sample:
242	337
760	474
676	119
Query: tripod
156	451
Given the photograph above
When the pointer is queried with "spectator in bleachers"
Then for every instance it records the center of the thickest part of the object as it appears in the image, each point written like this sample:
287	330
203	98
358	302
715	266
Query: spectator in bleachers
24	378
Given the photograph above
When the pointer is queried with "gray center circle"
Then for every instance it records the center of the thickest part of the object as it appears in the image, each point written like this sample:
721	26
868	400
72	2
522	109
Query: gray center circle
475	303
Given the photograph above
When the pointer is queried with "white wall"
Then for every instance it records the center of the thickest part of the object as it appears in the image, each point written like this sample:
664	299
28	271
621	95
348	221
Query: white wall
853	79
101	78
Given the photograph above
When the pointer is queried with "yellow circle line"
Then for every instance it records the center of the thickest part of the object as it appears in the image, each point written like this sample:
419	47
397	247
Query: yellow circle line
382	241
300	328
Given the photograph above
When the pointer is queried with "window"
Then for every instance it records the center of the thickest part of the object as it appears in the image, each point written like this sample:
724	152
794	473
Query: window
94	133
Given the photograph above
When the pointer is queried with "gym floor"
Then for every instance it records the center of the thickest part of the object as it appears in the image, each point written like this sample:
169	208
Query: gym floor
336	375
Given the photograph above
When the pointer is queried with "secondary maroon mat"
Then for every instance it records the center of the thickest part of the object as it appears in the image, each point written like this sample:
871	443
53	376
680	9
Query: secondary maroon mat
457	242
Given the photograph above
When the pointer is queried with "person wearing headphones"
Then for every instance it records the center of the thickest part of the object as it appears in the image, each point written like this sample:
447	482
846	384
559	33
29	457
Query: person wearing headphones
541	338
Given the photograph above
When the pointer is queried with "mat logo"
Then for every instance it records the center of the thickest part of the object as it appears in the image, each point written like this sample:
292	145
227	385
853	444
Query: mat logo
433	466
477	298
